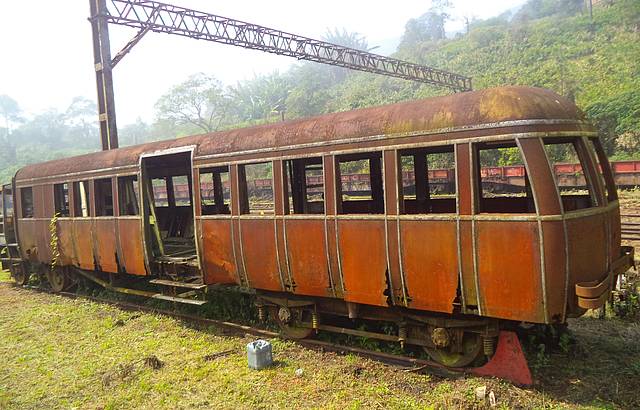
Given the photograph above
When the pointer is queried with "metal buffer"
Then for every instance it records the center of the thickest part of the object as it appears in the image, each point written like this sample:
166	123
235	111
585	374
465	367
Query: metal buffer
166	18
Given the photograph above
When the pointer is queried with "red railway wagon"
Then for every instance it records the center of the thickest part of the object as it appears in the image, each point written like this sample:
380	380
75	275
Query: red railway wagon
449	267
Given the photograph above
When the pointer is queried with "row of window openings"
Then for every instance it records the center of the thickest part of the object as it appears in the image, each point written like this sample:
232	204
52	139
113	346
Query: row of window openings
128	194
504	188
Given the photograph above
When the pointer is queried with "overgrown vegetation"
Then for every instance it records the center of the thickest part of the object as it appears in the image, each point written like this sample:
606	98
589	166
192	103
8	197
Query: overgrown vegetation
64	353
547	43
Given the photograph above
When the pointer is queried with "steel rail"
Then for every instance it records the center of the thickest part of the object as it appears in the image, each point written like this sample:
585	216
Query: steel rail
170	19
406	363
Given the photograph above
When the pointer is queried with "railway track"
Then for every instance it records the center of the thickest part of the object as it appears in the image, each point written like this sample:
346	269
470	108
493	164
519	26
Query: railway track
630	227
404	363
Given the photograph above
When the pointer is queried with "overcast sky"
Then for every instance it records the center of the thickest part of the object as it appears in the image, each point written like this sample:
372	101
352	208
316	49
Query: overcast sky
46	53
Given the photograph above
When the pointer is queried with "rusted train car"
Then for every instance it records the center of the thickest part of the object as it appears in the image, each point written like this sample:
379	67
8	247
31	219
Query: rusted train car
449	267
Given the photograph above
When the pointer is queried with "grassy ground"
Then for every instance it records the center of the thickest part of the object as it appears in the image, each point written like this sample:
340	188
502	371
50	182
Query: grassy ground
62	353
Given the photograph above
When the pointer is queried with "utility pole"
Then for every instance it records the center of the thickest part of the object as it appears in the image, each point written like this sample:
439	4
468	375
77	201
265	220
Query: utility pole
104	78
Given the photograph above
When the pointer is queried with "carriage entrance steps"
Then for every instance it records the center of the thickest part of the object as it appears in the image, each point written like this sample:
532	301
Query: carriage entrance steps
164	282
177	299
169	291
196	289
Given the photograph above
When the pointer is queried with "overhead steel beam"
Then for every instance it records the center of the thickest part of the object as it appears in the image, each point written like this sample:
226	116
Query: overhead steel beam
125	50
170	19
159	17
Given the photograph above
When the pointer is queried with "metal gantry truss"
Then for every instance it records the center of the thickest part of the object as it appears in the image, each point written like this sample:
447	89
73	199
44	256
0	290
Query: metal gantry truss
166	18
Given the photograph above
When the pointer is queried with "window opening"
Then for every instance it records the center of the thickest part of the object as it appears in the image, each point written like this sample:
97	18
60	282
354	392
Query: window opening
26	202
601	159
8	202
305	183
81	199
128	195
256	196
160	192
428	180
504	183
568	163
361	190
104	197
215	192
61	199
181	190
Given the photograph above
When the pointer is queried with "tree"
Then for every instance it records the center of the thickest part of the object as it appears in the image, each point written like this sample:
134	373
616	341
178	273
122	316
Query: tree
345	38
427	27
81	118
198	102
260	98
9	112
136	133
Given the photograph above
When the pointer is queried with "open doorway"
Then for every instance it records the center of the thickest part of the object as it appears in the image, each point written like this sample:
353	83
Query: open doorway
168	209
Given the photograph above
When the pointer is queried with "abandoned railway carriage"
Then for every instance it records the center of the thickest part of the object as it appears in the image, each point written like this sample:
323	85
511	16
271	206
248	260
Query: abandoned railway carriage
448	264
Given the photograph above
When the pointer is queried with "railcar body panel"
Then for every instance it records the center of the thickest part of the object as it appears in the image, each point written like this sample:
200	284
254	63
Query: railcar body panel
307	256
430	263
28	229
259	253
84	243
508	267
131	252
555	269
587	247
105	245
65	240
219	265
363	260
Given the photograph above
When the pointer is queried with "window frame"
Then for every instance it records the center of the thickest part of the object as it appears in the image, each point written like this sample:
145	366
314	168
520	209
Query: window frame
588	169
60	205
478	191
122	182
24	215
608	179
218	190
299	203
425	152
376	185
100	209
171	181
166	190
244	207
77	201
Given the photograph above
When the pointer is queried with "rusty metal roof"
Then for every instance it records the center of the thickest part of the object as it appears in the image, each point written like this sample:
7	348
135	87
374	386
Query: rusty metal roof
460	110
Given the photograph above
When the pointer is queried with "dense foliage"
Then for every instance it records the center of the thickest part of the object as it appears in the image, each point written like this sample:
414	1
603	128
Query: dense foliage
546	43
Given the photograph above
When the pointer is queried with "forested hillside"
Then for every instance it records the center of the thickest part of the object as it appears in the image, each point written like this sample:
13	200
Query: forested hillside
547	43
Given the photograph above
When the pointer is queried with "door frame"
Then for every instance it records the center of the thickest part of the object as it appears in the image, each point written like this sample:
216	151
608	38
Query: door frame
142	174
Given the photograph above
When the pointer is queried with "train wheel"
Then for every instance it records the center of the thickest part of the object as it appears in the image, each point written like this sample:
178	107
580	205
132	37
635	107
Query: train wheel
58	279
20	274
469	350
291	321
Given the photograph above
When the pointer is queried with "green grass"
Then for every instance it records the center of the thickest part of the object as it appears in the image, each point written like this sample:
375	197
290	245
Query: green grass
62	353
